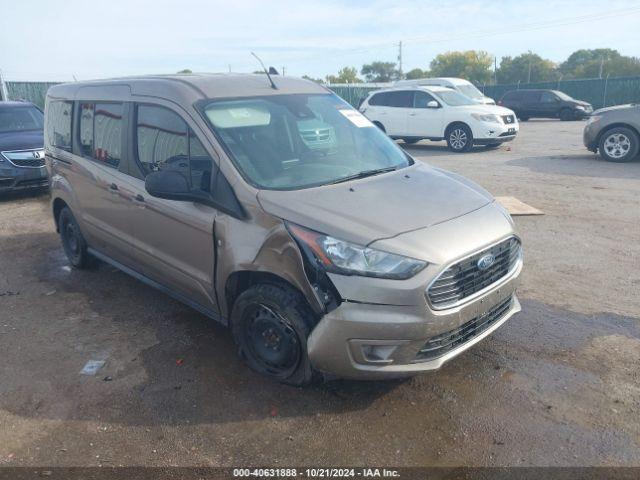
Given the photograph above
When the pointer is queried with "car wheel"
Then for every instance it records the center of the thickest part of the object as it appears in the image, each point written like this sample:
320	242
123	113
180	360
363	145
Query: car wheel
380	126
410	141
566	115
73	243
619	144
270	324
523	118
459	138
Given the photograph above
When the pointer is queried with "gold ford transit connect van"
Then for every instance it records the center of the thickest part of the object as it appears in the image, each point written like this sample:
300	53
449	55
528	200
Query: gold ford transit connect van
283	213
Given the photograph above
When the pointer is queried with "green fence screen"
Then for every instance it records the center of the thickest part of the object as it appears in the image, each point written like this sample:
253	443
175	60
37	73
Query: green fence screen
599	92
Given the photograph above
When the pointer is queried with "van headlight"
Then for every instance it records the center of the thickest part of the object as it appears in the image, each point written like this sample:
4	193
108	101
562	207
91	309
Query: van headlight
345	258
484	117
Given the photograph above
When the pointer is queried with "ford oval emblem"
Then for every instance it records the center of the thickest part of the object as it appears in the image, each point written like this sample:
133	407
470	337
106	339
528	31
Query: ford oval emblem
486	261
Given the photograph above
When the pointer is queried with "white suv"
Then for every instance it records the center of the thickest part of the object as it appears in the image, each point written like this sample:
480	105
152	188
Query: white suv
439	113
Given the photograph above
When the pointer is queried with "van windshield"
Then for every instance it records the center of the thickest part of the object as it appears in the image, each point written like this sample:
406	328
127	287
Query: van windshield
470	91
453	98
288	142
15	119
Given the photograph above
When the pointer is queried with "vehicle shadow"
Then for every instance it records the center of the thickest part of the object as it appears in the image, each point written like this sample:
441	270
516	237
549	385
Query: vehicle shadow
165	362
582	165
23	194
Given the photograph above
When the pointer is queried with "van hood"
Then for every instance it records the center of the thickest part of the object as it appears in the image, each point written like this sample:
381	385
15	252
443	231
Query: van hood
383	206
21	140
628	106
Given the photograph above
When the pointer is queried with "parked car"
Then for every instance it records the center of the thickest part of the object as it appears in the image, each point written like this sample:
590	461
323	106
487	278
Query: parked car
461	85
545	104
439	113
354	260
21	147
614	132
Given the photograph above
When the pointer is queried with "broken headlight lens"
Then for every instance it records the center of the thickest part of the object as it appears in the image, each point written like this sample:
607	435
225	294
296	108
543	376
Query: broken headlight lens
345	258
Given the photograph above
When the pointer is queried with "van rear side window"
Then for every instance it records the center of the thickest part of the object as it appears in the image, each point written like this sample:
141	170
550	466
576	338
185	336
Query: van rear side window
59	115
101	132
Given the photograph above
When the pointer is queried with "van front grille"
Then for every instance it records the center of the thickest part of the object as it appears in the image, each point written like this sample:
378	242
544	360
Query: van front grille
445	342
474	273
29	162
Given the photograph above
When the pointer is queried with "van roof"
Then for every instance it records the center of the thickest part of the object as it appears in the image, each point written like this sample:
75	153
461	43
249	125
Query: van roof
190	87
428	88
452	80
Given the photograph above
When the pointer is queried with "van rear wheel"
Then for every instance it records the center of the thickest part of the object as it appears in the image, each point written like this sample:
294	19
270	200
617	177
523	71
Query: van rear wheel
73	243
270	325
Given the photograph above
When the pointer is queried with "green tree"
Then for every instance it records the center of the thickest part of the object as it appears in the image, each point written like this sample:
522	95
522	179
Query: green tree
186	70
345	75
525	67
416	73
471	65
600	61
317	80
380	71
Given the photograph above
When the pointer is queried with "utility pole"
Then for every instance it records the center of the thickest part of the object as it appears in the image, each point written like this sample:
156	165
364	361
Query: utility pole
400	75
4	95
529	76
283	71
495	70
601	66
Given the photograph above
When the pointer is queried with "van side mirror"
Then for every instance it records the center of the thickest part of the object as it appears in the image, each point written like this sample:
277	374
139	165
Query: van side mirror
172	185
433	104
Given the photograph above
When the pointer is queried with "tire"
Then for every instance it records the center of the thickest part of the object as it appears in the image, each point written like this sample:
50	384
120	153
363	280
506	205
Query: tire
566	115
73	243
270	325
619	144
410	141
459	138
380	126
523	118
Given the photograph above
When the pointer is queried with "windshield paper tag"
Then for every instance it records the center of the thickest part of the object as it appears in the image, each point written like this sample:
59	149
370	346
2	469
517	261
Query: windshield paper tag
356	118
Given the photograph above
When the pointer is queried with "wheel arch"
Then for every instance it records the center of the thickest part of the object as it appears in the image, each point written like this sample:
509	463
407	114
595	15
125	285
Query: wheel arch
57	205
241	280
616	125
453	124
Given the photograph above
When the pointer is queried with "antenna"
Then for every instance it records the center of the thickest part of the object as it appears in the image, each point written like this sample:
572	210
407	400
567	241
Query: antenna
273	85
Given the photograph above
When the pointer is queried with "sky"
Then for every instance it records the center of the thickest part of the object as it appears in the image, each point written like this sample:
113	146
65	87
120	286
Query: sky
66	39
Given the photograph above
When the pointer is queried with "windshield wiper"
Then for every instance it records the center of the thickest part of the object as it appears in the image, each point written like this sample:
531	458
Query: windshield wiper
364	174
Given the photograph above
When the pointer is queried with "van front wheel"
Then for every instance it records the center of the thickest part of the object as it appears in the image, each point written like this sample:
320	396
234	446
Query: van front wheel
270	324
459	138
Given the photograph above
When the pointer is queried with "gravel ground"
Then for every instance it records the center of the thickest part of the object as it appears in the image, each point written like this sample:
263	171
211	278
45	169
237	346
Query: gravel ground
557	385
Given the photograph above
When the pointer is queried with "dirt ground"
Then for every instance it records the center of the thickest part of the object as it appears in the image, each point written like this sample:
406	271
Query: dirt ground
559	384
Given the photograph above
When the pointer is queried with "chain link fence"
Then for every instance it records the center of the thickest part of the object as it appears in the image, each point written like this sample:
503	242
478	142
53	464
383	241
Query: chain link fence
600	92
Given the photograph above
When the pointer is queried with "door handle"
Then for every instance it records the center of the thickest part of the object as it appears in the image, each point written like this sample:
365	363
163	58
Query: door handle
113	187
138	198
413	114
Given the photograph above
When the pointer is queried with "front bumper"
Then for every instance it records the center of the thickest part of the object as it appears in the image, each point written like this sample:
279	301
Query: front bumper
14	178
488	133
590	135
375	341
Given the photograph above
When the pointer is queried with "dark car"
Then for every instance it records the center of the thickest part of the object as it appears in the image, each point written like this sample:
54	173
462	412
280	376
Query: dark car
614	132
21	147
545	104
